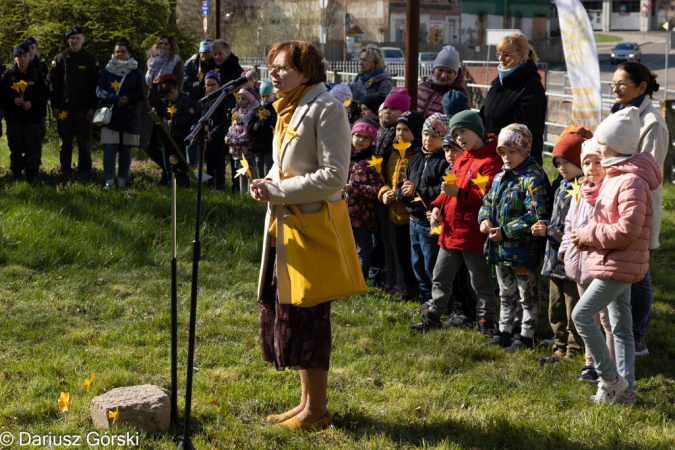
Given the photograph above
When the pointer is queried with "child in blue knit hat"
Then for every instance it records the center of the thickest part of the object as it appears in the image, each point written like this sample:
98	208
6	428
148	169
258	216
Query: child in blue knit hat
261	130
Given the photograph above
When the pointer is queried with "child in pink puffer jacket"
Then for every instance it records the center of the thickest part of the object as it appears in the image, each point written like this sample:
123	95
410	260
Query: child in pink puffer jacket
579	215
617	240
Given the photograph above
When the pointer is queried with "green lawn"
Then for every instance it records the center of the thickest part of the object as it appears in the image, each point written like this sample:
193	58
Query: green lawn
84	288
599	37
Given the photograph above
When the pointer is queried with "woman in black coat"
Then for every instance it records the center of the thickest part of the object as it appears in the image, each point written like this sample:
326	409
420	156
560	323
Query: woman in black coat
516	95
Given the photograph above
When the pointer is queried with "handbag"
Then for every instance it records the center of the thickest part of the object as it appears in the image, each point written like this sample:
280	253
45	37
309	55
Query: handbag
321	256
102	116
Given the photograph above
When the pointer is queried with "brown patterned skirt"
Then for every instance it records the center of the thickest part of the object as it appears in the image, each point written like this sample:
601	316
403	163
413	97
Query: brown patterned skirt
292	337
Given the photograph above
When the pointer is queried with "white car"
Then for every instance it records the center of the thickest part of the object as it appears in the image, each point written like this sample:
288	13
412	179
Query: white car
392	54
427	59
625	51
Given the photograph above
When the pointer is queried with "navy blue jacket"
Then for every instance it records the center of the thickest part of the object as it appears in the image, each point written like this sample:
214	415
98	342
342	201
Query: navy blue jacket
425	171
186	115
127	118
261	139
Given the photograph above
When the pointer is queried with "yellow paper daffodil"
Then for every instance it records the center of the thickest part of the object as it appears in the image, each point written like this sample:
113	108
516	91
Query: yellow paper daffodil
114	415
261	116
376	163
234	117
244	169
89	381
217	69
115	85
481	181
19	87
236	96
65	399
201	76
172	110
290	133
450	178
534	199
402	146
347	102
419	199
435	231
63	115
574	191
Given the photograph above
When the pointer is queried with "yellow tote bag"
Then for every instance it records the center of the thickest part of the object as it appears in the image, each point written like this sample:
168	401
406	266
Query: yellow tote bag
321	256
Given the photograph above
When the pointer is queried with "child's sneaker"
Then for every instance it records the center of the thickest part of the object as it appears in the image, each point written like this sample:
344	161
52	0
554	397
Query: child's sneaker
627	399
430	321
521	344
486	327
458	319
608	393
109	184
500	338
641	348
589	375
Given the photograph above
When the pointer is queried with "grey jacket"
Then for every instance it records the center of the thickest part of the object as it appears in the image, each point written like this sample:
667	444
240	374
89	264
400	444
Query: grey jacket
379	84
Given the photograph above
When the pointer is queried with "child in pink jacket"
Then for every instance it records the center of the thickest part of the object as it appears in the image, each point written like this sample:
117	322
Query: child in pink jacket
579	215
617	240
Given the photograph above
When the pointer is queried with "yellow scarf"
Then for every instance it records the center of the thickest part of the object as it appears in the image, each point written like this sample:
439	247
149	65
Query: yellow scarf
285	107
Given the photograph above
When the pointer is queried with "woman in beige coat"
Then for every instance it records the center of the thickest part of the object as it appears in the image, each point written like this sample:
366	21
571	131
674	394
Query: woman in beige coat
311	163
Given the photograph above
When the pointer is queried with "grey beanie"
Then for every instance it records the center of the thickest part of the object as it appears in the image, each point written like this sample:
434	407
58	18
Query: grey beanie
448	57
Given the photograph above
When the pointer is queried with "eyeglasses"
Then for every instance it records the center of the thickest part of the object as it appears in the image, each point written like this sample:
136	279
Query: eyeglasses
505	55
621	85
278	69
361	137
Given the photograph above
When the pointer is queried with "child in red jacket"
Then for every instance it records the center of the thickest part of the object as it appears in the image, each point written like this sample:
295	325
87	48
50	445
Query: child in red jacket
457	208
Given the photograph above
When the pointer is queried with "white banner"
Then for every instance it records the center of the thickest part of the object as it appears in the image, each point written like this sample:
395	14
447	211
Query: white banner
583	67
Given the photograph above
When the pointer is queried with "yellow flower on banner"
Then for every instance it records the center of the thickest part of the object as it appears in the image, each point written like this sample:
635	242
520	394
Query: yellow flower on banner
376	163
114	415
419	199
64	401
244	170
172	110
19	87
481	181
450	178
574	191
347	102
435	231
63	115
201	76
89	381
261	115
115	85
402	146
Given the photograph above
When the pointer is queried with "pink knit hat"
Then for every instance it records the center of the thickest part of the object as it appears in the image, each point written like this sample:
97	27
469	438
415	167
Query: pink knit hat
250	97
366	128
397	99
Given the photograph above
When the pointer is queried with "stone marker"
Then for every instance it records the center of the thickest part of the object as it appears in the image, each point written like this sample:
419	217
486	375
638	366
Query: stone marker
146	407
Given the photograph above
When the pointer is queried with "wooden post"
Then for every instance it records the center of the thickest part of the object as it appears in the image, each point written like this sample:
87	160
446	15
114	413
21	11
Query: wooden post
412	49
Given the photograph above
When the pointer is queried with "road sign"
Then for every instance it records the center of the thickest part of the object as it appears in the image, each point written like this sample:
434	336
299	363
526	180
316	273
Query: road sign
205	8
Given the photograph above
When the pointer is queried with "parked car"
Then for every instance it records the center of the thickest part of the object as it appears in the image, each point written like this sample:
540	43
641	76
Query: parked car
427	59
392	54
625	51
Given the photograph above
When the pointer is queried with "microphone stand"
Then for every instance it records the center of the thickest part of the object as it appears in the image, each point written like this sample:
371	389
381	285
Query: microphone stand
199	131
174	297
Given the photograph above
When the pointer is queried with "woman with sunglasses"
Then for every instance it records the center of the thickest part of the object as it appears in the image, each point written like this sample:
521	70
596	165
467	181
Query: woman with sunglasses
516	95
634	84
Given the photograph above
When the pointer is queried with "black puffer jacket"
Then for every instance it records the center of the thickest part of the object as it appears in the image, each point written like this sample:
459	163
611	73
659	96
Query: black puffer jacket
522	99
383	140
426	172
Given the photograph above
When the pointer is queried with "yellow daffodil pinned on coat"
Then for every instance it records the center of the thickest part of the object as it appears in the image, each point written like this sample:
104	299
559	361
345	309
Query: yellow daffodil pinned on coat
401	147
244	169
261	114
89	381
65	399
347	102
63	115
481	181
20	87
201	76
574	191
376	163
534	199
114	415
115	85
290	133
171	110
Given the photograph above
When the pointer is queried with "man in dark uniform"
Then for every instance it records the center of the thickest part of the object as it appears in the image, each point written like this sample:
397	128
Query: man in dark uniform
73	79
42	68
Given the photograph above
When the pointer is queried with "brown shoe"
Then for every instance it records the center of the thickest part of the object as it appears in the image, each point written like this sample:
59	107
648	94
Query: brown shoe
297	423
278	418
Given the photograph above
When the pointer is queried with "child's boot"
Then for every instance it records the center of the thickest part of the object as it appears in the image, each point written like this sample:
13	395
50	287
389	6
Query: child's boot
500	338
522	343
430	321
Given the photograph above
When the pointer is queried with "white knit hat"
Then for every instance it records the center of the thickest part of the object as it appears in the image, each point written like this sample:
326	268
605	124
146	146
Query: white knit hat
621	131
448	57
590	147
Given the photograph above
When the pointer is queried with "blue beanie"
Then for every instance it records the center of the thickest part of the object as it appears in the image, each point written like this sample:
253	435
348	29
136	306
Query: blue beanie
74	30
454	102
266	87
204	47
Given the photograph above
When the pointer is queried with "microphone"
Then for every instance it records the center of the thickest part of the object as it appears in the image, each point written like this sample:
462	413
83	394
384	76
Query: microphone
230	87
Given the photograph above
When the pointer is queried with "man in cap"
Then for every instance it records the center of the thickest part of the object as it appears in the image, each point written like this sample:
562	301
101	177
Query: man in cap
42	68
73	80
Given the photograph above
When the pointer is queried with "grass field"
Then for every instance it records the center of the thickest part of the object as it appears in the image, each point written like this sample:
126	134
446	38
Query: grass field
599	37
84	289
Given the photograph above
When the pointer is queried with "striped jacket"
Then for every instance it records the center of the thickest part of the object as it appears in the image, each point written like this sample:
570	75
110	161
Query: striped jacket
555	230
